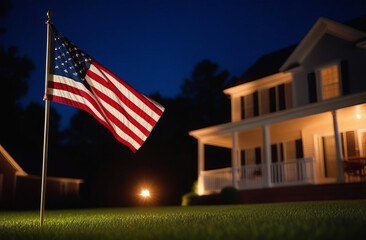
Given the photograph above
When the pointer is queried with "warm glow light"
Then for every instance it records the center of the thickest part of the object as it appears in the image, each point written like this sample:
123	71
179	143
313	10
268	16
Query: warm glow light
145	193
358	116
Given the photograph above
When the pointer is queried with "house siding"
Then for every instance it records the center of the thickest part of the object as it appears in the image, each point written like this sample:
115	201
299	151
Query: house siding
8	182
257	98
331	50
235	109
324	80
28	192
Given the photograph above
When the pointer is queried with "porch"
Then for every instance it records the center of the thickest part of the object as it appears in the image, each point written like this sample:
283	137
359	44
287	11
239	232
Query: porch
306	145
289	173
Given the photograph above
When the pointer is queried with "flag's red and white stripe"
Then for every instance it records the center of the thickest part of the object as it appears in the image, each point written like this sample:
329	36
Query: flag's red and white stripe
129	115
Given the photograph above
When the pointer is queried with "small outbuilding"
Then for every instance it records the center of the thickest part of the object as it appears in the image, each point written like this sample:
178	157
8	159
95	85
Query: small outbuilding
19	190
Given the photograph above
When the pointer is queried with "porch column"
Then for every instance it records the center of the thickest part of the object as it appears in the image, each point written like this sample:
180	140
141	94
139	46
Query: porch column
201	165
234	159
337	138
267	155
201	156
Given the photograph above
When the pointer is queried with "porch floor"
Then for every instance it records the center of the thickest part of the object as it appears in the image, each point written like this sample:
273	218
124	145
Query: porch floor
319	192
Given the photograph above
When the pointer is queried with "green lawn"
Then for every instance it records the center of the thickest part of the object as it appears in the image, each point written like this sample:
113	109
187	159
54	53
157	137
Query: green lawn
305	220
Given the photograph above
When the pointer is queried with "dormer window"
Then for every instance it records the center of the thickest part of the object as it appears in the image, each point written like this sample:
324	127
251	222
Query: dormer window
330	80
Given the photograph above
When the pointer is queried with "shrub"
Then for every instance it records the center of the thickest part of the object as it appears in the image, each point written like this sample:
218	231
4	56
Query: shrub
190	199
195	187
229	195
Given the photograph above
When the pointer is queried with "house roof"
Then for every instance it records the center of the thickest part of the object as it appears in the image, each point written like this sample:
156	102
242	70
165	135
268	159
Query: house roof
358	23
56	179
323	26
12	162
20	172
266	65
277	61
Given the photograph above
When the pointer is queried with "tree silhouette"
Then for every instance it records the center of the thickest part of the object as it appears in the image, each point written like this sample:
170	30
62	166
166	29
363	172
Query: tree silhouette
203	91
168	158
86	149
5	7
31	140
22	129
14	74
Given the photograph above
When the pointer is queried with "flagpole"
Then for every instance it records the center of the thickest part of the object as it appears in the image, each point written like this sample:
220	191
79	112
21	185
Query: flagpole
46	122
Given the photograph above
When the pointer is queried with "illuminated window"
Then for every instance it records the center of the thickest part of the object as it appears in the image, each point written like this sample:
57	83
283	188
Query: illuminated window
330	82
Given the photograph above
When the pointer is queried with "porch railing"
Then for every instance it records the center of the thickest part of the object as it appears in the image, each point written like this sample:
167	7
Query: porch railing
299	171
287	173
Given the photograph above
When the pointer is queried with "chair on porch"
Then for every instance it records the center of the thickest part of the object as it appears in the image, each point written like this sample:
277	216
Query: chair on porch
354	168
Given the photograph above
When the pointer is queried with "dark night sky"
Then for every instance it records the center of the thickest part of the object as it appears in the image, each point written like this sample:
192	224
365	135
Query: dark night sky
153	45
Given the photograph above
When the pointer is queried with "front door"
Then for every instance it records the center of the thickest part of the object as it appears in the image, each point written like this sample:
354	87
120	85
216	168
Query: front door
329	157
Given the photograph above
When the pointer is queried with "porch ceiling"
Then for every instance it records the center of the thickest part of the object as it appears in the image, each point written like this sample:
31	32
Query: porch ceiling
250	131
225	141
299	117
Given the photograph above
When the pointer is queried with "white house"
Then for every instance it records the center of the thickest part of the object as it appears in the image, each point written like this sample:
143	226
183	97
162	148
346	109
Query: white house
303	124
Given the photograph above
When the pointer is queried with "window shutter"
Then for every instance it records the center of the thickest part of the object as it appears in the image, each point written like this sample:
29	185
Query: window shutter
242	107
299	149
312	87
272	99
242	157
344	75
281	97
281	152
255	104
274	153
258	155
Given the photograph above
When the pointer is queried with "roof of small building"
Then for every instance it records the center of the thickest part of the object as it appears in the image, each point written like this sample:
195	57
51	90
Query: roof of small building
20	172
12	162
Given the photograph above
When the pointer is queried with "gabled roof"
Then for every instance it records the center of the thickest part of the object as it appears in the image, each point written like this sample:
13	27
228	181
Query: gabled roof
278	61
266	65
358	23
20	172
12	162
323	26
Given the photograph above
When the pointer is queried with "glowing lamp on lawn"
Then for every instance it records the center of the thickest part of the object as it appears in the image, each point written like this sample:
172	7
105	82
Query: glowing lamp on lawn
145	193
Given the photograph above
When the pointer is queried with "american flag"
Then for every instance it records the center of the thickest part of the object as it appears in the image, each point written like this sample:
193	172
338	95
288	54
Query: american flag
78	80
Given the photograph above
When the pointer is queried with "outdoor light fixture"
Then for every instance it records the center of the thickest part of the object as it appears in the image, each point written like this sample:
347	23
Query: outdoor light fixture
145	193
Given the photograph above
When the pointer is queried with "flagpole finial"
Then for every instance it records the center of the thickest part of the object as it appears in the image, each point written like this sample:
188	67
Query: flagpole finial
49	15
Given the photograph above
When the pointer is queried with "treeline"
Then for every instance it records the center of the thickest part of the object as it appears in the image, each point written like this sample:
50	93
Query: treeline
166	163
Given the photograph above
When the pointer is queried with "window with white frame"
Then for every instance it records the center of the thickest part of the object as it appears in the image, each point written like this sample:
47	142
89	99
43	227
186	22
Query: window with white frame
330	82
354	143
266	100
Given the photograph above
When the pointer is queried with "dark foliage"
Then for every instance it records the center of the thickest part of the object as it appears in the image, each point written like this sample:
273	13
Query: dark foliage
229	195
166	163
14	73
